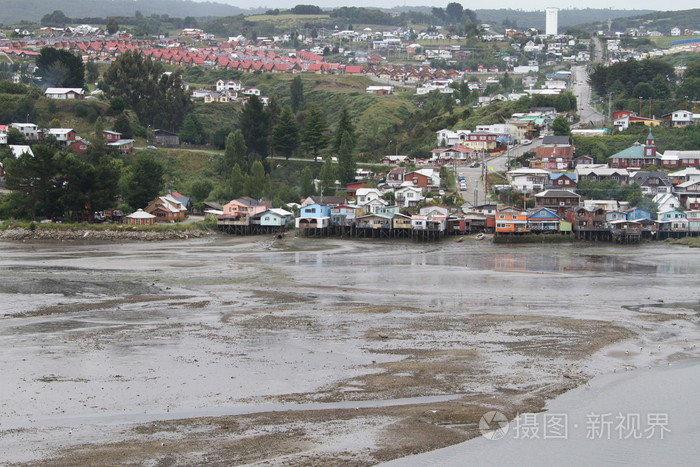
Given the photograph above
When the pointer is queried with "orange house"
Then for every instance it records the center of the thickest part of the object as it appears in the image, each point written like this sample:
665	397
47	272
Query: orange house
510	220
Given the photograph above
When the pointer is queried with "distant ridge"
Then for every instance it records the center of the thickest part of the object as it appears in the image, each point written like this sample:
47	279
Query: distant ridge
13	11
662	21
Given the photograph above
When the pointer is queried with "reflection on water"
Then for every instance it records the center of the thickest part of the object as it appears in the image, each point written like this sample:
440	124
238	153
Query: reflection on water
508	258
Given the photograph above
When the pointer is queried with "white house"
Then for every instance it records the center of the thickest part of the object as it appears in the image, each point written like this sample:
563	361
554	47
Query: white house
251	92
29	130
666	202
408	196
228	85
527	180
447	137
64	93
365	195
681	118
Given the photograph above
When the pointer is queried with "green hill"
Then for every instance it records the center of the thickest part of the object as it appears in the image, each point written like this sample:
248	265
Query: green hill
662	21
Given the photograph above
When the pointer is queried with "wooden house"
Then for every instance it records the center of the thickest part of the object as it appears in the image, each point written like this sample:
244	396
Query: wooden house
541	220
510	220
166	209
240	211
140	217
401	221
587	219
344	215
314	216
373	221
276	217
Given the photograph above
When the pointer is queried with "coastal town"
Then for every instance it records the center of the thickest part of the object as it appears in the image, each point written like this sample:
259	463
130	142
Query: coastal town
348	236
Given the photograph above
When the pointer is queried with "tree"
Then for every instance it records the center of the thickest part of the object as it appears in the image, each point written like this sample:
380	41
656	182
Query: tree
345	125
327	177
158	98
235	153
314	138
14	136
60	68
236	183
200	189
285	136
258	182
92	72
346	163
689	88
644	91
123	125
453	12
57	19
254	124
192	131
35	179
561	127
306	184
112	25
143	182
297	93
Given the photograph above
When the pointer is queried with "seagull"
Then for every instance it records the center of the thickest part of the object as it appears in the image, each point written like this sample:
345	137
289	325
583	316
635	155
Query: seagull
627	352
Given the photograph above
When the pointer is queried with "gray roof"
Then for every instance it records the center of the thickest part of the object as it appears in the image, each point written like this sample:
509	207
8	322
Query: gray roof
558	140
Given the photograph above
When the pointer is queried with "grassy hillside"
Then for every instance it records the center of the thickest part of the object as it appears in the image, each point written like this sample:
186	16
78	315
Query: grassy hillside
661	21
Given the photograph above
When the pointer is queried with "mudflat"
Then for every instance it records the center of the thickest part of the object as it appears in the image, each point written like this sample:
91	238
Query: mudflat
226	351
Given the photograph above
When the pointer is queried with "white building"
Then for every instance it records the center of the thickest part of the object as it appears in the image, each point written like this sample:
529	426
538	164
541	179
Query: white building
64	93
551	21
29	130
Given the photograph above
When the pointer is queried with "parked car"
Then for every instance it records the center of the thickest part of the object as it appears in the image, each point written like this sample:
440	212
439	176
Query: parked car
525	142
462	186
151	147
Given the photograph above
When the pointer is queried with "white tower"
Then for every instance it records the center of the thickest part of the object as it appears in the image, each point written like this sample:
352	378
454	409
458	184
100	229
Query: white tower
551	21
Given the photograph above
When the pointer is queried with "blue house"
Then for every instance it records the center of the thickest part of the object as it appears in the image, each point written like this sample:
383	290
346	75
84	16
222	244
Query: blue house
276	217
612	216
543	220
315	210
314	216
636	214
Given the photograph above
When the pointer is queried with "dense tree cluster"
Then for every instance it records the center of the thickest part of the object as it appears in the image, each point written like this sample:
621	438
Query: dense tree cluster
634	78
54	184
60	68
158	98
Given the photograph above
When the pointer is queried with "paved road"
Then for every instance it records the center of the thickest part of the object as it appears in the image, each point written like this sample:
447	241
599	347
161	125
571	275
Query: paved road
474	177
582	91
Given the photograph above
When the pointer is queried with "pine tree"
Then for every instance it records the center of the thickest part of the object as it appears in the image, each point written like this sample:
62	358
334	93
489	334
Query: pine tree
235	153
345	125
255	125
192	130
237	182
297	92
314	137
327	177
346	163
258	182
285	136
306	183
